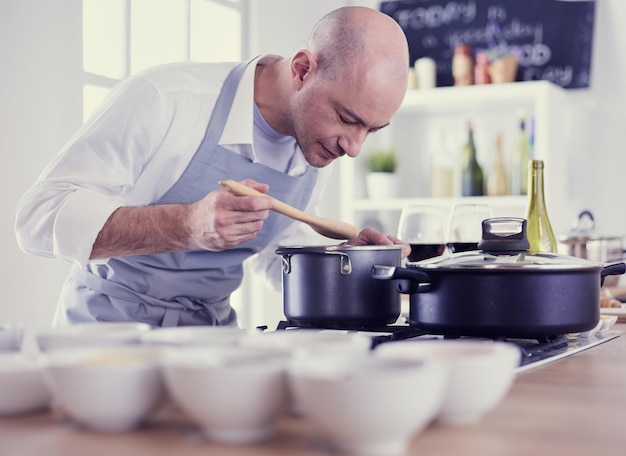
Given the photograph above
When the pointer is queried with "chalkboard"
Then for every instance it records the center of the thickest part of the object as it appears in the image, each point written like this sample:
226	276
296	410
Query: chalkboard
552	38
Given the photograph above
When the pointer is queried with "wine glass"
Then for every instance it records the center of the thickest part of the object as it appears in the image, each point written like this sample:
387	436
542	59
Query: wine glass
422	227
465	226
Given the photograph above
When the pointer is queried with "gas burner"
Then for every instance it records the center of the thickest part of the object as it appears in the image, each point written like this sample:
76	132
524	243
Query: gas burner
532	350
379	333
535	352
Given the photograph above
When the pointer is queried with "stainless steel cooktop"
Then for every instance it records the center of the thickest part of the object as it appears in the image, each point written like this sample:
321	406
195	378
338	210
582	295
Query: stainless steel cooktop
535	353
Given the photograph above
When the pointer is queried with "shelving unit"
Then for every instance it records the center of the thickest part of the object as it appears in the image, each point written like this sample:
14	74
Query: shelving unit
558	118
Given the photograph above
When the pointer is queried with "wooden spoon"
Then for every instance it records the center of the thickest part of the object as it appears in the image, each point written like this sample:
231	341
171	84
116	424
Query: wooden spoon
334	229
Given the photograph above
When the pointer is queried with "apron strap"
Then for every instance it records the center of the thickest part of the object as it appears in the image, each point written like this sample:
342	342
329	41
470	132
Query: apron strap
172	309
171	317
224	101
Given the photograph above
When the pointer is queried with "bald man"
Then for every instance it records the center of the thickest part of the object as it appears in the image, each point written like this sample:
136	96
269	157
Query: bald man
133	200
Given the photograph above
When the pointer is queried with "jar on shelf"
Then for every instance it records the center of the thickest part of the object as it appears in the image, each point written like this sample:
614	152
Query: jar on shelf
425	73
481	68
463	65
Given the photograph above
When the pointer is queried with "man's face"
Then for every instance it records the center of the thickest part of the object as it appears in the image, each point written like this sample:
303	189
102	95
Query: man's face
333	118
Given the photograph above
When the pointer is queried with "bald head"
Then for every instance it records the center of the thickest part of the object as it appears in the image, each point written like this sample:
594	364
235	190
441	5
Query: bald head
350	38
346	83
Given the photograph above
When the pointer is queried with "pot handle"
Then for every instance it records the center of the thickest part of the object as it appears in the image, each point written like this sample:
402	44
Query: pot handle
612	269
408	280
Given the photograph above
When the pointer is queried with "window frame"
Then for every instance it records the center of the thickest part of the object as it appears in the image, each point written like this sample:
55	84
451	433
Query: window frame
107	83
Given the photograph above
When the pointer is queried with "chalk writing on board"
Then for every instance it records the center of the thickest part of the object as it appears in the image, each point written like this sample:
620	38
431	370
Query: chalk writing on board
551	38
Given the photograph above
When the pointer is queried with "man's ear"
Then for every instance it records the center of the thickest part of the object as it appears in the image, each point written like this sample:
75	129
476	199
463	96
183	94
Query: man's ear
303	67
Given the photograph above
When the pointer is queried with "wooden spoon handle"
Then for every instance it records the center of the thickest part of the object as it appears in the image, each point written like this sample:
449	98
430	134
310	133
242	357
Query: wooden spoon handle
331	228
238	189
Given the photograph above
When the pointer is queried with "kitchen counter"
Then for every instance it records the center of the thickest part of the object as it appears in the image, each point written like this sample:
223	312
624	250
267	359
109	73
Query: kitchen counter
574	406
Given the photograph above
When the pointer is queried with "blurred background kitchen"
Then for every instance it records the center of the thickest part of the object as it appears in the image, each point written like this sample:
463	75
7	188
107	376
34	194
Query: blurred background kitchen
59	58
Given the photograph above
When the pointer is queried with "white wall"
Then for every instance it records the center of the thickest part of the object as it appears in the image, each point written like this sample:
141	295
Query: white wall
40	107
606	158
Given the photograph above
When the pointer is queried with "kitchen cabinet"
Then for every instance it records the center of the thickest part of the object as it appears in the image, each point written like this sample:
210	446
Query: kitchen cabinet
443	112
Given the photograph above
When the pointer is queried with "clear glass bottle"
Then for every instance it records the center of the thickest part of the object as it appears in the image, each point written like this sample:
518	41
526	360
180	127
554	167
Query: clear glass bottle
497	182
442	169
472	182
521	155
538	229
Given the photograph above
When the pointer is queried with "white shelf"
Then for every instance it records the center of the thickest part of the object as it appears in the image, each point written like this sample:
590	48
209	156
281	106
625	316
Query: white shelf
396	204
460	99
557	118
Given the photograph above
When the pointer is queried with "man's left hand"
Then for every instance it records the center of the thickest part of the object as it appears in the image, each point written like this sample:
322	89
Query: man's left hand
370	236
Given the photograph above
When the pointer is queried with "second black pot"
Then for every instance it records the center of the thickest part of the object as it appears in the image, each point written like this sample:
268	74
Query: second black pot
502	290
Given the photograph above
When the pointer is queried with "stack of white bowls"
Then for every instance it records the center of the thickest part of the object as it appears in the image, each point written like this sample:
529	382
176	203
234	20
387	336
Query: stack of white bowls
479	372
234	394
22	386
365	404
82	335
109	388
235	385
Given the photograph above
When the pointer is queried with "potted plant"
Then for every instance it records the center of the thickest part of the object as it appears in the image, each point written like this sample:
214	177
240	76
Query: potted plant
381	180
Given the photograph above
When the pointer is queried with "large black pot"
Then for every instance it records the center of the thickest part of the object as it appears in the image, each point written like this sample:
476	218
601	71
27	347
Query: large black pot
502	290
332	285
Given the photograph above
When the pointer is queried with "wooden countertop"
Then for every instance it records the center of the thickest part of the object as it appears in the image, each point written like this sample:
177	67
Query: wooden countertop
574	406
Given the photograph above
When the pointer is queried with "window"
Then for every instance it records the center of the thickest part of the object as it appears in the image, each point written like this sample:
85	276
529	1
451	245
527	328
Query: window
122	37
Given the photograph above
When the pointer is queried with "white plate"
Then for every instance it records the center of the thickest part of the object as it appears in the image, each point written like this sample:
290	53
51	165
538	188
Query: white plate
620	312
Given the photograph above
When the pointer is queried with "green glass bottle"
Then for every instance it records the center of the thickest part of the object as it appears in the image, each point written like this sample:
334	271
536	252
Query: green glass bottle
538	229
472	181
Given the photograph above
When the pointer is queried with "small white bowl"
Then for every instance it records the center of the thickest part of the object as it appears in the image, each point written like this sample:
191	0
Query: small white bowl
365	404
90	335
109	389
303	341
180	336
234	394
604	324
480	372
22	386
11	338
607	322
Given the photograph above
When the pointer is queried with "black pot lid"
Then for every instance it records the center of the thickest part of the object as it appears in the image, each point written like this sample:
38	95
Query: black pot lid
520	261
504	246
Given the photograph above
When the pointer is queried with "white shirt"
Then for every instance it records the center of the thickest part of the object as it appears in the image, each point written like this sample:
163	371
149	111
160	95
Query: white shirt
133	149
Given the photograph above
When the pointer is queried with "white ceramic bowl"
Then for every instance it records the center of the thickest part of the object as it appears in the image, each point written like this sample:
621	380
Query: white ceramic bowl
480	372
90	335
11	337
303	341
105	388
607	322
234	394
22	386
604	324
365	404
180	336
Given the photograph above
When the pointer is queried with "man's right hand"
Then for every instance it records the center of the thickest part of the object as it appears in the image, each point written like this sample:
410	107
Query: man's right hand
222	220
217	222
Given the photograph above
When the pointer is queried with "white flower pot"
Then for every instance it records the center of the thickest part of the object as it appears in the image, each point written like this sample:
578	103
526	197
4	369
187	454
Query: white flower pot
382	185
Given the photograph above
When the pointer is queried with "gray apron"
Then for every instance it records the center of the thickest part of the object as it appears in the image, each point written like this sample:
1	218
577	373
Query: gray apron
186	287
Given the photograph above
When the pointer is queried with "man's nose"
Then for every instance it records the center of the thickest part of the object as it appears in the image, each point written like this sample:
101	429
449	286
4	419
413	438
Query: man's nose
351	143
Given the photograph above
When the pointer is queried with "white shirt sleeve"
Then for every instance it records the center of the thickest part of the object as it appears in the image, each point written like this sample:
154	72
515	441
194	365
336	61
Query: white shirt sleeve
62	214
